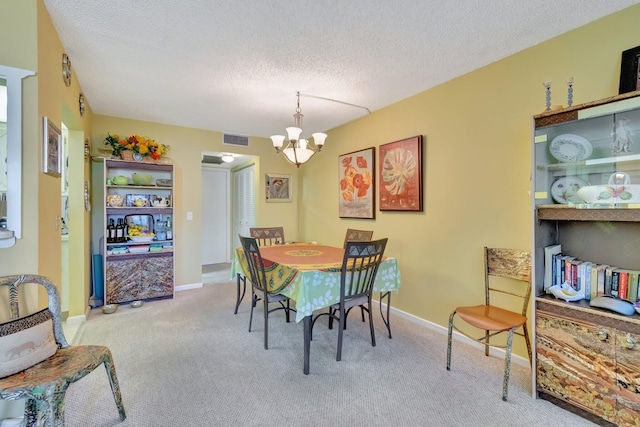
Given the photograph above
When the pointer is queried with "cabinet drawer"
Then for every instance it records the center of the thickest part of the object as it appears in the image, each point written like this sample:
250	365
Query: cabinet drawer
628	376
576	362
138	278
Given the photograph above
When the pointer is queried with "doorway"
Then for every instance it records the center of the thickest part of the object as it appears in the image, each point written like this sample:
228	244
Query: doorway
216	214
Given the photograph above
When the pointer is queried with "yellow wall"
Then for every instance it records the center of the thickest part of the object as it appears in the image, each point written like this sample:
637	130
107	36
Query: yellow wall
477	131
477	162
35	45
18	23
186	147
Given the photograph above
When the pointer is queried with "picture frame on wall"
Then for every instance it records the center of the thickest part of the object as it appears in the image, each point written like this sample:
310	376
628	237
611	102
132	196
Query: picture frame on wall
630	70
278	188
357	184
400	168
52	148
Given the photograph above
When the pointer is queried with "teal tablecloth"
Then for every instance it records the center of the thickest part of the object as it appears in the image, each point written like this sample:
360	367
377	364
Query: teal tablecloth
316	289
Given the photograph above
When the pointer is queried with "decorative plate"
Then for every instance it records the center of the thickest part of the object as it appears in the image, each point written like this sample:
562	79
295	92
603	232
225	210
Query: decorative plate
564	190
570	148
115	200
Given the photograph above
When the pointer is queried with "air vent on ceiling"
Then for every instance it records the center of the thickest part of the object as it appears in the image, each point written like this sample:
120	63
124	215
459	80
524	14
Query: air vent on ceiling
211	160
229	139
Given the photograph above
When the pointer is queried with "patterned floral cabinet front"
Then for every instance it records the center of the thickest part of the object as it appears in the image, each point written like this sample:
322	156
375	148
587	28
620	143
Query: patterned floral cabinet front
589	358
139	278
628	375
575	361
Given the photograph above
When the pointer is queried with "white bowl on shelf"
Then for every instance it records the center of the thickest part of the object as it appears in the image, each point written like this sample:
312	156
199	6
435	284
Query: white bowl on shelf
618	190
142	239
138	249
566	292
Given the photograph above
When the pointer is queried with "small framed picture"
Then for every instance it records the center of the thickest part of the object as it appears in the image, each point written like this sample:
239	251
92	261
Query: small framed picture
52	148
278	188
630	71
400	168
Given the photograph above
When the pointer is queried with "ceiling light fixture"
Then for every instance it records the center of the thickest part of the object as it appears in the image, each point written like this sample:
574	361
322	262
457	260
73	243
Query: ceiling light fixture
227	158
298	150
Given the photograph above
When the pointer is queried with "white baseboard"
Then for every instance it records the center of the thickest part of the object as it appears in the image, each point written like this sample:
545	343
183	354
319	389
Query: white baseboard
76	320
179	288
497	352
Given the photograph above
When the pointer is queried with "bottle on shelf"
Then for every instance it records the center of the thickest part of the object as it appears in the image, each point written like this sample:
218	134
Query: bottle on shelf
161	230
169	229
120	237
111	231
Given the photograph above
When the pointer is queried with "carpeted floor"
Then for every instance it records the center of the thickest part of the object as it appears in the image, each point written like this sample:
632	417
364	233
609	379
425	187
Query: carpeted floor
190	361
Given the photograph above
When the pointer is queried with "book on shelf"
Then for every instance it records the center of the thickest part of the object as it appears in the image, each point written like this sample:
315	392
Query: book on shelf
634	277
549	265
566	268
600	270
607	279
623	283
575	281
558	269
615	281
593	280
585	275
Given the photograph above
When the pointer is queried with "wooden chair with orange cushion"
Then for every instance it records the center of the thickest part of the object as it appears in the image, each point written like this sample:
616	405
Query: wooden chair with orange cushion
509	264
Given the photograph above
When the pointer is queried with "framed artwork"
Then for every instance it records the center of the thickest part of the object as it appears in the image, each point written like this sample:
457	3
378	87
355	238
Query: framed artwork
630	70
52	148
357	184
278	188
401	175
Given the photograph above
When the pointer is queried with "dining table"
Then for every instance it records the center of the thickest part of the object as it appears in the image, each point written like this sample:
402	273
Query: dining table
309	274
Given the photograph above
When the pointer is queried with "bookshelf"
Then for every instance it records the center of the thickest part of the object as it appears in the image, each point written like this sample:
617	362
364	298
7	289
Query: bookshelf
586	198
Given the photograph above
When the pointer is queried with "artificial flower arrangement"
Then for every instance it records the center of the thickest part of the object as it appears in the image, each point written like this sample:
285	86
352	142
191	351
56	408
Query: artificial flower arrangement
137	144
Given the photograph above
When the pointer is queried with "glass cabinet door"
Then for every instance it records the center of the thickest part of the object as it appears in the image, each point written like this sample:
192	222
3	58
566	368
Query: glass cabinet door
592	162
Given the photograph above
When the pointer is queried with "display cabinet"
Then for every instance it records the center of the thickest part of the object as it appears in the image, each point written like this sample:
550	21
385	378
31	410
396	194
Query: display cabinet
586	192
137	231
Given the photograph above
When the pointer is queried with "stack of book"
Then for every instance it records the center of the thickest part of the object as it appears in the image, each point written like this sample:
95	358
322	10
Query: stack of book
588	278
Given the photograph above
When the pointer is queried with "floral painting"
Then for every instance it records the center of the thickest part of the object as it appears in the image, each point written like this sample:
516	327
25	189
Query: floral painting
357	184
401	175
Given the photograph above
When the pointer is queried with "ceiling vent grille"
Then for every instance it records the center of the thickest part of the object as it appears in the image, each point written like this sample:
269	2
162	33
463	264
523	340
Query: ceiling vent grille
240	140
211	160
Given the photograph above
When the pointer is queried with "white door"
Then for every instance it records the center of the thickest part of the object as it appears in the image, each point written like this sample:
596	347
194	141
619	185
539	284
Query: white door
216	224
244	206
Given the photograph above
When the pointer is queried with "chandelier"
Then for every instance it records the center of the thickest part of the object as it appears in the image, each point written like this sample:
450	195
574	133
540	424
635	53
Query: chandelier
298	150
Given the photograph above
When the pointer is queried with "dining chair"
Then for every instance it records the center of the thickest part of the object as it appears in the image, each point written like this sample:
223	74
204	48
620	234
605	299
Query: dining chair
266	236
357	235
36	361
259	289
493	320
357	276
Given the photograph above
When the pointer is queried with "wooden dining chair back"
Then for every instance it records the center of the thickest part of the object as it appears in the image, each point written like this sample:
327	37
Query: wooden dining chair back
36	361
493	320
268	236
357	276
259	290
353	235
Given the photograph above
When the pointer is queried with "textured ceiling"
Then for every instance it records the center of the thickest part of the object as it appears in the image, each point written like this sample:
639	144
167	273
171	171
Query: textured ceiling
235	66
